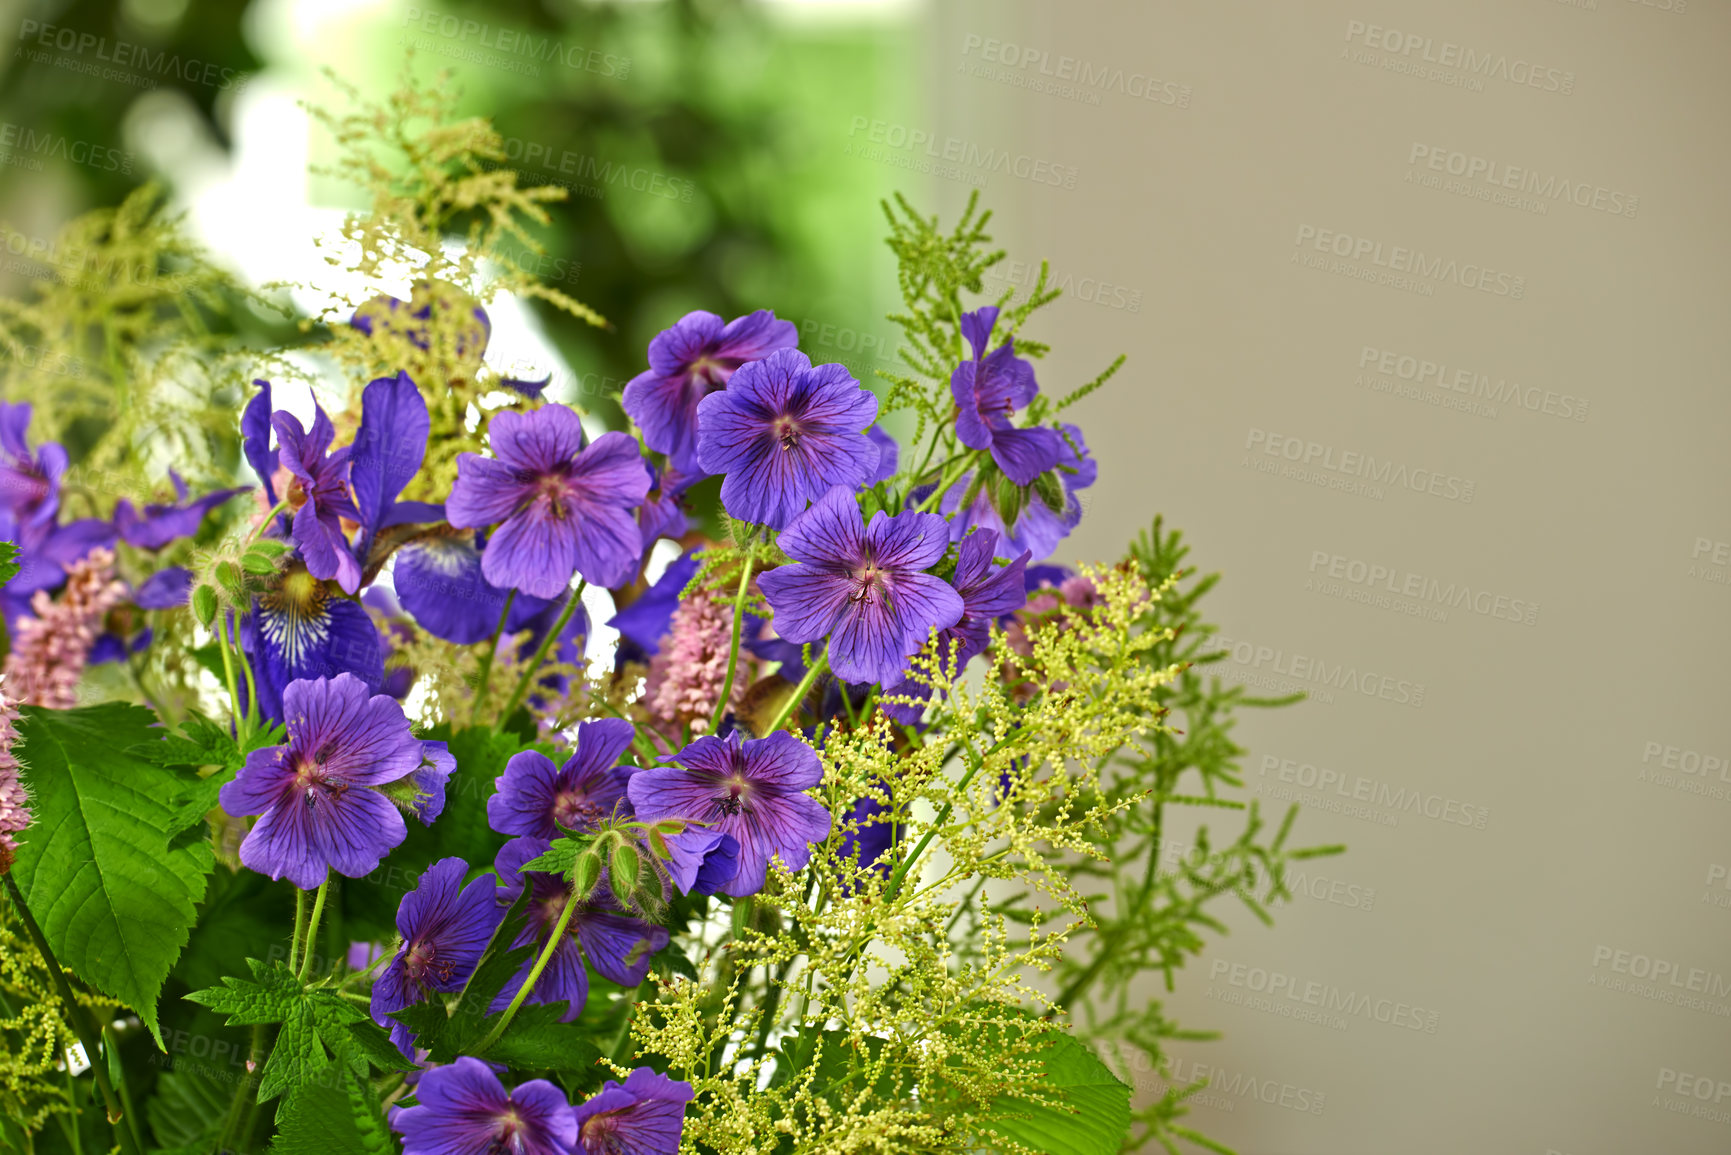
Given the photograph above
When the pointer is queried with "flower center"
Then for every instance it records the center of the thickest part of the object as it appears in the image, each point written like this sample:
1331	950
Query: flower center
572	810
786	431
868	580
597	1133
733	801
425	966
510	1127
554	490
313	779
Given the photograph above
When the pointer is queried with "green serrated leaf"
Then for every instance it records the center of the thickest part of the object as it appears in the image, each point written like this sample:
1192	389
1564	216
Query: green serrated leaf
557	859
1092	1118
336	1114
8	561
187	1108
100	868
545	1047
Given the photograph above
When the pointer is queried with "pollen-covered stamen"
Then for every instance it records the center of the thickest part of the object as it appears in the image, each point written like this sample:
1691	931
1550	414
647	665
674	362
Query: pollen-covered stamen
556	492
787	431
573	810
423	964
733	801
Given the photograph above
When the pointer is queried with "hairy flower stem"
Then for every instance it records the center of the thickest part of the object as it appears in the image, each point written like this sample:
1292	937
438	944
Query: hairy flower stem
528	986
949	479
241	722
313	930
487	658
818	668
300	926
547	642
98	1065
733	645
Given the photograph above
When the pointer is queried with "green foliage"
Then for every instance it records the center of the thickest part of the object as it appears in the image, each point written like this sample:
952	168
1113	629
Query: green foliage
1085	1109
105	868
334	1115
318	1028
8	561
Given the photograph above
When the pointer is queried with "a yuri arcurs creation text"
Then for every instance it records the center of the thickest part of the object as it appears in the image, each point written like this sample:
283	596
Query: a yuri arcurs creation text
393	757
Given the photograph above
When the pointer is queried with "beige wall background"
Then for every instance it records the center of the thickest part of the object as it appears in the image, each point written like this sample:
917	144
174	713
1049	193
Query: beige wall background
1426	312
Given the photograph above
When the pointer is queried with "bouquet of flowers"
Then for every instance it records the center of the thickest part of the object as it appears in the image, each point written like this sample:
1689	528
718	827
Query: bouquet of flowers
479	779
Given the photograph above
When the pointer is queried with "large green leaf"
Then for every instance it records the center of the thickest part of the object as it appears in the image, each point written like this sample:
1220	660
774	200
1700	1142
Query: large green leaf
337	1115
1093	1118
101	867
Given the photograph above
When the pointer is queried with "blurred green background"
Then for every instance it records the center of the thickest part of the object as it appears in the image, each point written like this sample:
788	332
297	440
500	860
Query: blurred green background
705	147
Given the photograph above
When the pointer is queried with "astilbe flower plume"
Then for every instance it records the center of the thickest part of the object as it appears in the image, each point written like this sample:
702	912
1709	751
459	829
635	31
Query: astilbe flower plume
14	802
687	672
49	651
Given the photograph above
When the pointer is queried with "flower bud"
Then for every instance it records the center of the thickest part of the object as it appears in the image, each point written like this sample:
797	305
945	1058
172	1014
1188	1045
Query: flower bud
204	605
623	868
256	561
585	873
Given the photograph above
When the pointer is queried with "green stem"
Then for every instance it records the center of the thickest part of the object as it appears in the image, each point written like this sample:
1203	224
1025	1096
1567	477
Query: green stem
487	658
949	479
553	942
252	710
234	706
547	642
92	1054
111	1052
799	692
733	646
258	530
300	927
313	930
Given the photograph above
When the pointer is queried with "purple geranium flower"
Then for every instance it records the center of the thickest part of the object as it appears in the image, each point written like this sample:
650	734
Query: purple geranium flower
564	506
316	795
534	798
701	861
29	482
446	927
160	524
298	630
784	432
617	945
463	1109
1038	528
751	789
862	586
645	1115
319	495
429	779
988	591
987	390
697	356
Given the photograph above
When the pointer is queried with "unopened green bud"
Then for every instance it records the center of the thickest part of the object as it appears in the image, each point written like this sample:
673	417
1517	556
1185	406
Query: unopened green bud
256	561
623	868
269	546
585	873
658	845
228	574
204	605
1050	491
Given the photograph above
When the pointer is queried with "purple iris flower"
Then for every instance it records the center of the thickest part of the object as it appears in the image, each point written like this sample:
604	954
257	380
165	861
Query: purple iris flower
536	799
752	789
784	432
321	488
702	860
697	356
645	1115
298	630
158	525
463	1109
564	506
255	439
861	586
389	447
645	622
662	513
438	579
29	482
446	927
987	390
617	945
988	591
1038	528
316	795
